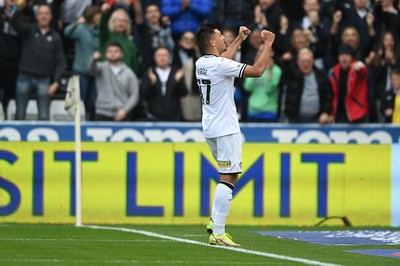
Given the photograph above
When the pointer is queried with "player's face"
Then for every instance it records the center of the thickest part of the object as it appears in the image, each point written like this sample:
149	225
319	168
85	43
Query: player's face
113	54
219	41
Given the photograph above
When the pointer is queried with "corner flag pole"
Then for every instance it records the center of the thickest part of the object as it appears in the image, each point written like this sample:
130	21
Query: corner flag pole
72	106
78	165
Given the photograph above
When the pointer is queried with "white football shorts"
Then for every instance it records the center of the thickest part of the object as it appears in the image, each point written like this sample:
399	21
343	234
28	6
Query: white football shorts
227	151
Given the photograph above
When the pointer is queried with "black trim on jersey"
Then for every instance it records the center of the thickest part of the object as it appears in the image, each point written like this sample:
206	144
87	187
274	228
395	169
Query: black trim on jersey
235	173
210	55
242	70
229	185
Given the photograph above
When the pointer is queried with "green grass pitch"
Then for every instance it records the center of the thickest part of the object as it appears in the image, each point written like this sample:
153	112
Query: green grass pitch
70	245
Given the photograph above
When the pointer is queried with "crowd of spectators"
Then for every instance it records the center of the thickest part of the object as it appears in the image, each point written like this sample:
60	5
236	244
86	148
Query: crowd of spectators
333	61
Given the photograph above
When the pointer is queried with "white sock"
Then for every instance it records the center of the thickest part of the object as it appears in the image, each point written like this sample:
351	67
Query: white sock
221	207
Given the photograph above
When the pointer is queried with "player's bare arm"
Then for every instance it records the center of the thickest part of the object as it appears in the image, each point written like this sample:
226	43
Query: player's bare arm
232	49
261	63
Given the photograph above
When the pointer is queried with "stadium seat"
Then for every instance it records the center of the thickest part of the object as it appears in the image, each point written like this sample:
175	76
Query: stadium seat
31	110
57	112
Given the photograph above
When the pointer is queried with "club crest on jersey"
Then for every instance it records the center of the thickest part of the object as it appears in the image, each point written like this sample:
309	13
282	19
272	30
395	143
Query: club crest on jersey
202	71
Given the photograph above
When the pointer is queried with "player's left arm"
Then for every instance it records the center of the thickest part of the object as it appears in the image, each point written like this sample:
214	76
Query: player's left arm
232	49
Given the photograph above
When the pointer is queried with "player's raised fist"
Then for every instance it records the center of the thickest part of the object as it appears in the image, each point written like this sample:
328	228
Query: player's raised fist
244	32
268	36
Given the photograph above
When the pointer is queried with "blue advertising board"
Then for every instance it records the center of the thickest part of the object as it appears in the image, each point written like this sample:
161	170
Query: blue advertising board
191	132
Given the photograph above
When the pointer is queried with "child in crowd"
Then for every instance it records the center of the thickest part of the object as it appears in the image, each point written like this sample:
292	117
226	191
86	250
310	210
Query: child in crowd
391	102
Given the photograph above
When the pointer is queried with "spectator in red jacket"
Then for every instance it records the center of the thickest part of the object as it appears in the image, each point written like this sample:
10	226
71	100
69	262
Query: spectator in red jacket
350	88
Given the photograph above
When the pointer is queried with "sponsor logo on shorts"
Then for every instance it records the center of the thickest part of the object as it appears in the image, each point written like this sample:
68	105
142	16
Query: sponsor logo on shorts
224	163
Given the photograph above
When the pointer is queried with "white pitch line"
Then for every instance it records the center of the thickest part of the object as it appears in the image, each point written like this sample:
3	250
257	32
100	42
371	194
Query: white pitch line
188	241
81	240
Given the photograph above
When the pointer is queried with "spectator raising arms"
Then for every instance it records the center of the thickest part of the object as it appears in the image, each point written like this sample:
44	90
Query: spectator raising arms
115	26
387	57
264	93
85	32
154	32
386	12
185	15
73	9
356	14
232	13
350	88
42	62
117	85
267	14
31	7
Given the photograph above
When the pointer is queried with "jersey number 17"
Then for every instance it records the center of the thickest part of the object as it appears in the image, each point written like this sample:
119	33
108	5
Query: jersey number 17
207	84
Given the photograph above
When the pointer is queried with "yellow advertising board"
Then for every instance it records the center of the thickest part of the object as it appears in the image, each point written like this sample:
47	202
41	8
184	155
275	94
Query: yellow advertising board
173	183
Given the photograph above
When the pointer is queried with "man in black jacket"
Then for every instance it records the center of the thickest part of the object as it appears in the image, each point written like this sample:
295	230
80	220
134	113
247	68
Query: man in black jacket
308	91
163	87
42	62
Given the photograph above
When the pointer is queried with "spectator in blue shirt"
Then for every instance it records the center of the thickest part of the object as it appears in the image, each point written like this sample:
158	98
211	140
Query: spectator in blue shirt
185	15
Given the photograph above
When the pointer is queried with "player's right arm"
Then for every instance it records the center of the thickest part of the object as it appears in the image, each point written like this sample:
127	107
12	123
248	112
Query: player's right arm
261	63
232	49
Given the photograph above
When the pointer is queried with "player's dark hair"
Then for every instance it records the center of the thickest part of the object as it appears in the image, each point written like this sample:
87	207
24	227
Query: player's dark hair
203	35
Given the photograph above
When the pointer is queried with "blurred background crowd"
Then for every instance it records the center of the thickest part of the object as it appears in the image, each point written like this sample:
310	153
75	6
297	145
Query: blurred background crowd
333	61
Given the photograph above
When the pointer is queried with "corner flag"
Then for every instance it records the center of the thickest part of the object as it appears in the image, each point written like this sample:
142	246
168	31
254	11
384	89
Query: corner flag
72	106
72	98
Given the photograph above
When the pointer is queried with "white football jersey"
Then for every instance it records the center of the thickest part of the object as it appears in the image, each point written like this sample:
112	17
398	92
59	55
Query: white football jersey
215	77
